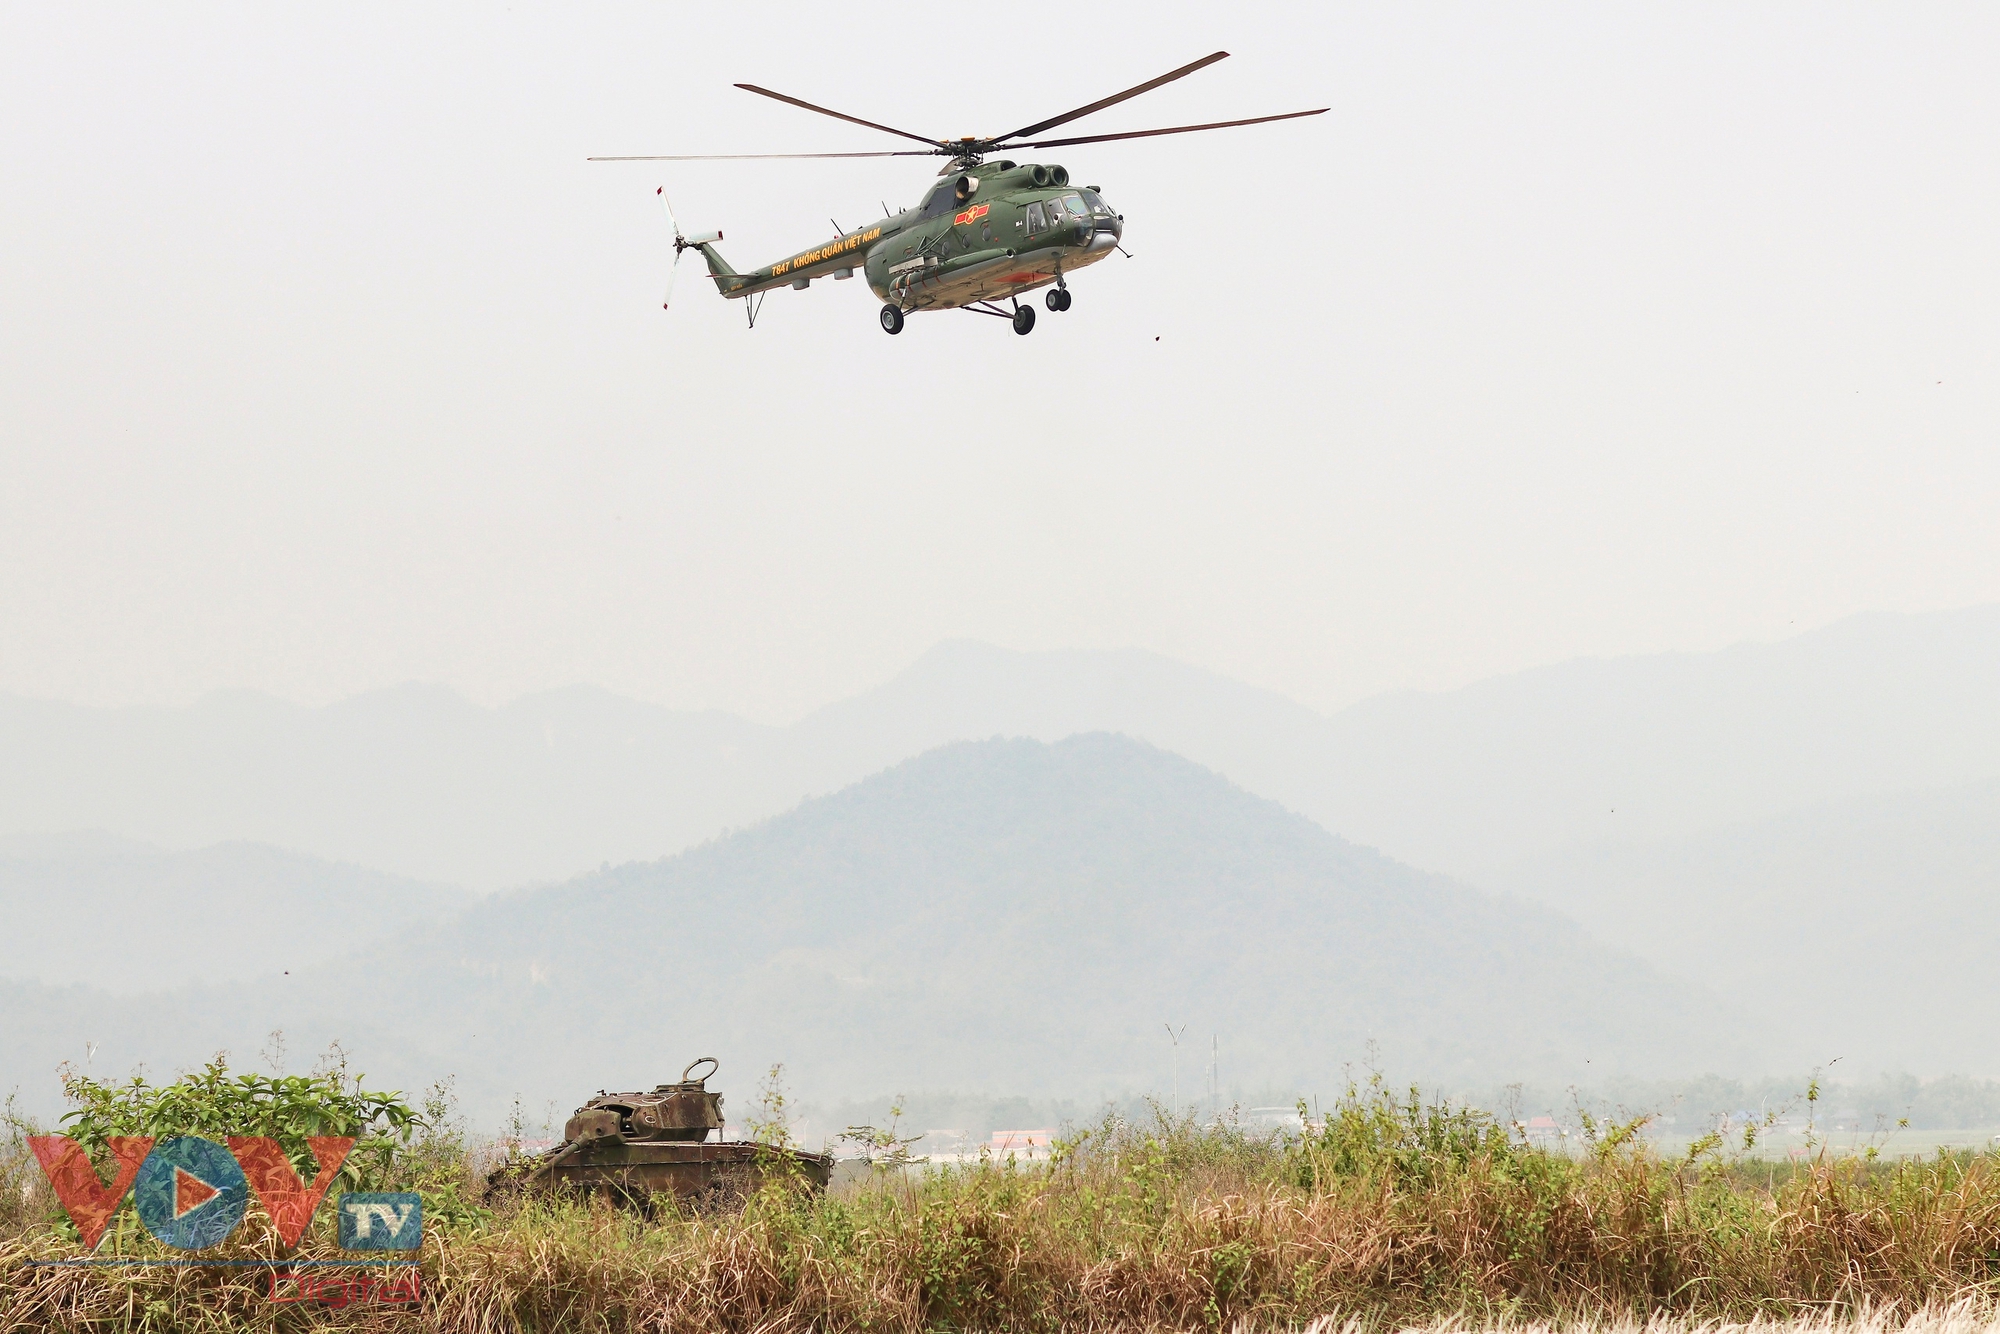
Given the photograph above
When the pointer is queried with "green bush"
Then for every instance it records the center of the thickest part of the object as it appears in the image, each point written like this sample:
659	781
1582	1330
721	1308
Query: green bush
215	1104
396	1147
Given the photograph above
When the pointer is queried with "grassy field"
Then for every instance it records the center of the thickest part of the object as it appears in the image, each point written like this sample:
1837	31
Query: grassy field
1392	1213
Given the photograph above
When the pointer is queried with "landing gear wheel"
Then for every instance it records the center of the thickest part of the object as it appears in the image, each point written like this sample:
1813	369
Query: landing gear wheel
892	320
1057	299
1024	319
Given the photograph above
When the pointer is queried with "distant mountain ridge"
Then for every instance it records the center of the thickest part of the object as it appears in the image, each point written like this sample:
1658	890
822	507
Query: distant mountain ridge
127	918
419	782
1004	916
1864	928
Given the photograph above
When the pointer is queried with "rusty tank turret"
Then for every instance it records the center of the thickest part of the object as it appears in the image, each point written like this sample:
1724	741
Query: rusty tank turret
633	1147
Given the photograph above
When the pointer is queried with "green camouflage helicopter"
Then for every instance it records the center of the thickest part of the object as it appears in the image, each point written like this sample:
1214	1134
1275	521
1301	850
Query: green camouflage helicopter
985	232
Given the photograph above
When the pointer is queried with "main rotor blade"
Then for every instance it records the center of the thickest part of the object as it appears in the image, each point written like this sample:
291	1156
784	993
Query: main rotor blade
838	115
1067	117
1178	129
738	157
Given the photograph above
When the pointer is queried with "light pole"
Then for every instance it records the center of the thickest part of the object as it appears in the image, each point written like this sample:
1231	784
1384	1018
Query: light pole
1175	1038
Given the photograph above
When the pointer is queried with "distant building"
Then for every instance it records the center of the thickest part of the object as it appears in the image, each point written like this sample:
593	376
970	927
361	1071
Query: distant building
1271	1120
1023	1144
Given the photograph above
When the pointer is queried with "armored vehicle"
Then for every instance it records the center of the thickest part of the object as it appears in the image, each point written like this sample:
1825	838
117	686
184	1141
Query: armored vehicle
655	1147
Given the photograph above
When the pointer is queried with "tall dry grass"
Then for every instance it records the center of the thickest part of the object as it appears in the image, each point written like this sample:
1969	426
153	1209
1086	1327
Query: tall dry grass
1391	1213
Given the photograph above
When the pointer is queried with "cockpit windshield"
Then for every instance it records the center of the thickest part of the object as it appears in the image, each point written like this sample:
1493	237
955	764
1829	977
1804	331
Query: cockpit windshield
1074	203
1097	204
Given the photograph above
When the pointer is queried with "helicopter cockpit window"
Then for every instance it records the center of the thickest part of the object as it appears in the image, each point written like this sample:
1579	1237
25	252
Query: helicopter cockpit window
1036	222
1076	206
1097	204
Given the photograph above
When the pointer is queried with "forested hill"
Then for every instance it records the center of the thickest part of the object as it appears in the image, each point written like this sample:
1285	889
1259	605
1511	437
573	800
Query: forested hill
1011	915
1021	916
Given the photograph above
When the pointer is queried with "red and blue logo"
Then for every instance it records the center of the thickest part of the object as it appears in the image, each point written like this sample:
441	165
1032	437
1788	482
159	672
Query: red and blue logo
192	1193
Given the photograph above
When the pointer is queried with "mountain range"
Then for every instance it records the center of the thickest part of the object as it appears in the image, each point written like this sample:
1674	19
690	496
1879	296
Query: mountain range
1761	858
1001	916
418	782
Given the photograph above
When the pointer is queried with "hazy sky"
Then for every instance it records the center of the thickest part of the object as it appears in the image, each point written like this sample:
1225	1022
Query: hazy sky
326	362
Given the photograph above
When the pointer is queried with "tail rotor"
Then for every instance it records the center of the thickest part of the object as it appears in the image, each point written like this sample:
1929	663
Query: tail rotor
680	243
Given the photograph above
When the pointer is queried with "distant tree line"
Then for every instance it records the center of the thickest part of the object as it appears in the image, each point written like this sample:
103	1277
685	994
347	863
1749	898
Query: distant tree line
1949	1102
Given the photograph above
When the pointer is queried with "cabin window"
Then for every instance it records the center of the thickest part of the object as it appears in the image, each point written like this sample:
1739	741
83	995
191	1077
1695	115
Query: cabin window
1035	220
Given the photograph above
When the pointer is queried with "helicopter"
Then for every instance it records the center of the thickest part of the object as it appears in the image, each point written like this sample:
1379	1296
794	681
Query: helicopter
988	230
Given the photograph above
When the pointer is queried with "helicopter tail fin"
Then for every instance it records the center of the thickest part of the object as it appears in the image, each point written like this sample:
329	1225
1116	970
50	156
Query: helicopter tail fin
718	267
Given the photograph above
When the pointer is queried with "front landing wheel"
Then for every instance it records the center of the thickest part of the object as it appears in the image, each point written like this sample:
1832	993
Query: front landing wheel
1057	299
892	320
1024	319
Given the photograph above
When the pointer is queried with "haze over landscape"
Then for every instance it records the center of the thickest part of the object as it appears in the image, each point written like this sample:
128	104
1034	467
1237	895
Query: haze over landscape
1504	577
1014	916
1412	745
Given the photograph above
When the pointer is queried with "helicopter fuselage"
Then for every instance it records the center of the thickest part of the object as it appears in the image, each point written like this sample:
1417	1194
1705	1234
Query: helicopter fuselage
986	233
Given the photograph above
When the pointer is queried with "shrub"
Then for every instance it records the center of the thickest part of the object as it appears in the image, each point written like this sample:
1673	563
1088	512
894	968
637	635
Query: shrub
213	1103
